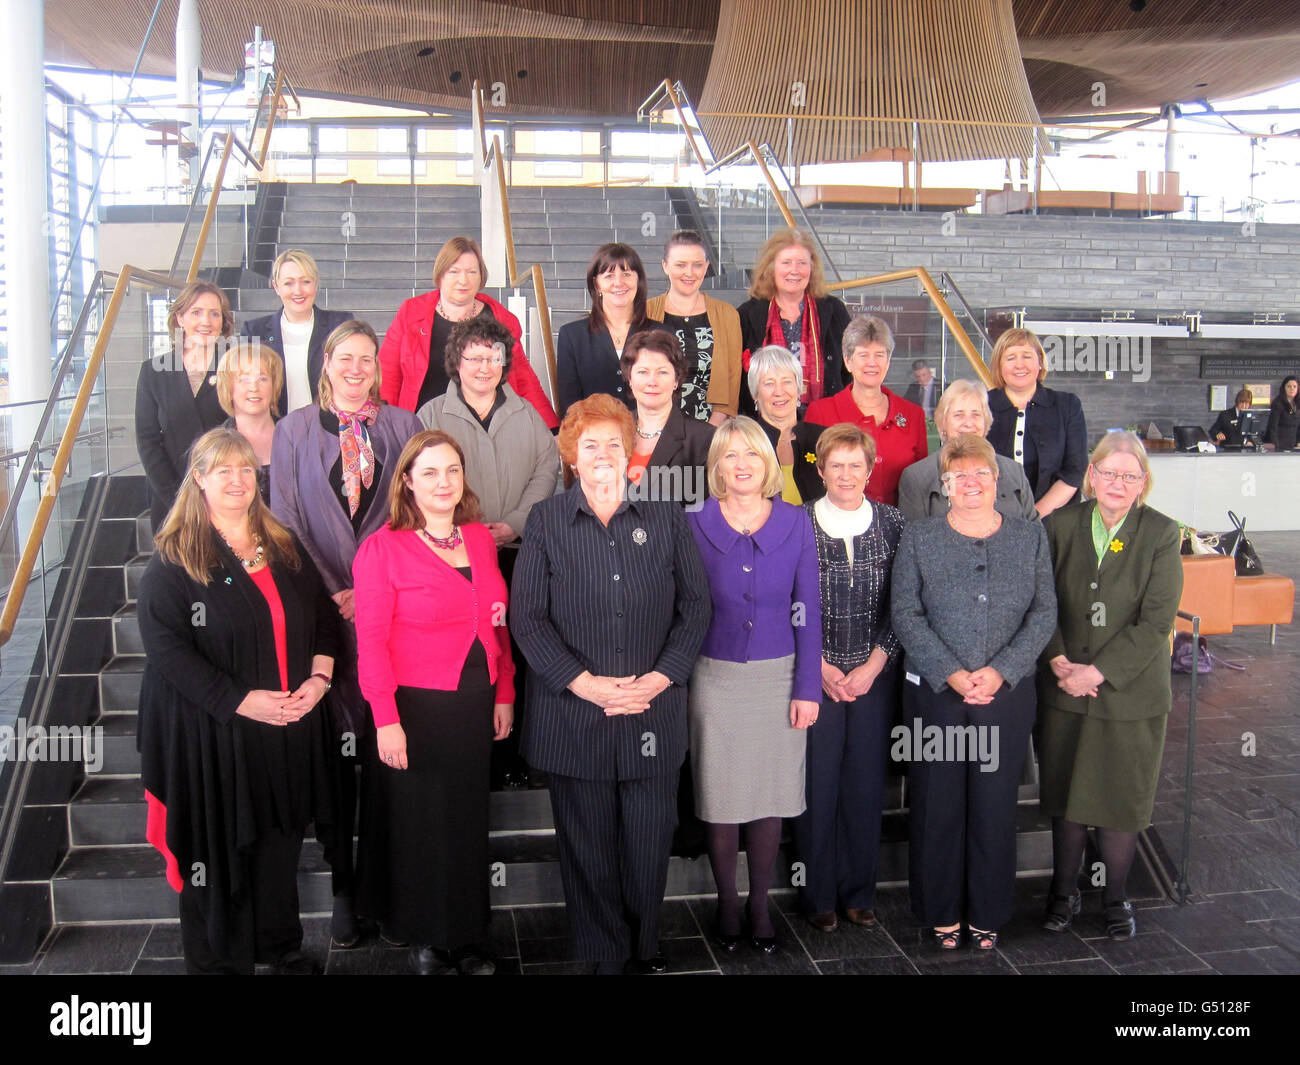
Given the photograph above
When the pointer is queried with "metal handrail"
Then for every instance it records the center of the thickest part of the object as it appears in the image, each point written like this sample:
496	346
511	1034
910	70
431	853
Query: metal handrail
63	455
1183	888
948	282
492	161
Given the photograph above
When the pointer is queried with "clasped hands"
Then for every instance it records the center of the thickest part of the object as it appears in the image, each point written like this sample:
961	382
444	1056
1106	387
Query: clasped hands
282	708
977	687
1074	678
846	687
619	695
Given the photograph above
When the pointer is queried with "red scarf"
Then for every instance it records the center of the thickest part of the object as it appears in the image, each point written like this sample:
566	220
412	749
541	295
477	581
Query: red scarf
810	347
354	443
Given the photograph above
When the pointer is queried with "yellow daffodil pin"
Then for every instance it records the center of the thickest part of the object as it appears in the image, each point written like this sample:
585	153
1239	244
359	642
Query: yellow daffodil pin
1117	546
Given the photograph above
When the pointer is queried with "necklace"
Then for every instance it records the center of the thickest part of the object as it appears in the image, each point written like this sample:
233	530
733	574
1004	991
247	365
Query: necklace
648	434
988	531
247	563
732	519
442	310
446	543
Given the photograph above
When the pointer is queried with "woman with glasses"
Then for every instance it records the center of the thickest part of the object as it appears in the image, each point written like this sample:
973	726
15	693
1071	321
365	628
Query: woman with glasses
1103	681
972	605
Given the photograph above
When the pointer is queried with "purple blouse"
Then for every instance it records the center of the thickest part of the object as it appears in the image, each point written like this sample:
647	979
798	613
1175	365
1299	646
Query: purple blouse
766	596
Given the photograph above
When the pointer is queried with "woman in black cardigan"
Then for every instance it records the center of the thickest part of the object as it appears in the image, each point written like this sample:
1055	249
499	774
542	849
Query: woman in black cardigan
1284	417
240	639
670	456
773	379
1041	429
176	395
789	306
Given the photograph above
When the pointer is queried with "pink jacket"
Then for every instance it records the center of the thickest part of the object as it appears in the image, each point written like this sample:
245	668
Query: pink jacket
404	355
417	617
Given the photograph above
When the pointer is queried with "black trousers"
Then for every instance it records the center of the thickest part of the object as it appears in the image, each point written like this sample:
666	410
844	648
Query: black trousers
962	823
614	838
262	926
838	835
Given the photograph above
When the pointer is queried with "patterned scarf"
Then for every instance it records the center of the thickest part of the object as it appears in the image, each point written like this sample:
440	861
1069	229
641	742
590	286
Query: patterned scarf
354	443
810	348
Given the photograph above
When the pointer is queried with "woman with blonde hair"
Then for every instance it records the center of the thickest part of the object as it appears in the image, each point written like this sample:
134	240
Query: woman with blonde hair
416	342
176	396
247	385
298	331
757	683
790	306
331	467
1103	682
1040	429
240	640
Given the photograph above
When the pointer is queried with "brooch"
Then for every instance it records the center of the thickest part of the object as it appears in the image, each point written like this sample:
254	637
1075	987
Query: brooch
808	456
1117	546
638	536
900	421
229	581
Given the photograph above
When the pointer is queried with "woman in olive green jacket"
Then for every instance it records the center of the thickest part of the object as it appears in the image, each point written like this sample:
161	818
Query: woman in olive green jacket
1103	688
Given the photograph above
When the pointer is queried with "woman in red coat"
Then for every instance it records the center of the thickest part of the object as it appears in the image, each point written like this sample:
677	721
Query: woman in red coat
411	358
897	426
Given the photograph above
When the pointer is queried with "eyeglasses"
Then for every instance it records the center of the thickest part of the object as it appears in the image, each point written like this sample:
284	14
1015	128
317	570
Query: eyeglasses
495	361
1111	476
958	477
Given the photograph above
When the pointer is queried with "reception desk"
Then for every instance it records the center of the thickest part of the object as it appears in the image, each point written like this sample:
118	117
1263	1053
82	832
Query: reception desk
1199	490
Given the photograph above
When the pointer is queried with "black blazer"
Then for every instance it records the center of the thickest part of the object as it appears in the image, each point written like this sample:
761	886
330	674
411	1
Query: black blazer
168	419
832	319
267	330
806	434
1054	421
225	778
679	465
586	364
618	600
1283	424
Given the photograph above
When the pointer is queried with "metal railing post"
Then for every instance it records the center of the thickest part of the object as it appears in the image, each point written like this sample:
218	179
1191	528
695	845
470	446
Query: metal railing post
1183	888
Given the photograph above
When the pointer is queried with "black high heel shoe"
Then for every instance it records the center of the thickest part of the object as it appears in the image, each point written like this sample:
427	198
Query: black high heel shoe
724	940
763	944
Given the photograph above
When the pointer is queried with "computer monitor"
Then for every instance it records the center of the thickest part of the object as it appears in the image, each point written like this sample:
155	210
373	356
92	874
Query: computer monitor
1186	437
1251	423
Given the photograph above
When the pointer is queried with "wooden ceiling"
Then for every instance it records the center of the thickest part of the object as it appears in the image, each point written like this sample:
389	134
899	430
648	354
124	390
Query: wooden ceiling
597	57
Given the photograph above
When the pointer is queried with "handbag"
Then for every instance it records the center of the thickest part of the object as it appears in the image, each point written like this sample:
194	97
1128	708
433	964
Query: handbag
1206	660
1240	550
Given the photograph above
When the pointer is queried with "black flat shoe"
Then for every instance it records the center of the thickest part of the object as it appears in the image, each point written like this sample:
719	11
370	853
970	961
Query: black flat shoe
425	962
344	928
1120	922
652	966
1061	910
296	963
764	944
725	942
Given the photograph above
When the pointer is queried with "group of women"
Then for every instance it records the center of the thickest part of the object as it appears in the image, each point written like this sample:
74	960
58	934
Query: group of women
326	615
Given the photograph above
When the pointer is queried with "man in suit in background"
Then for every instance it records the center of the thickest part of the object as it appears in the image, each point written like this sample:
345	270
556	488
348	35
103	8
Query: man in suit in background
924	392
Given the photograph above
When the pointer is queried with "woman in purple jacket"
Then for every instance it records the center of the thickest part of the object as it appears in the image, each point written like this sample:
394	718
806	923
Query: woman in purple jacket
757	682
331	464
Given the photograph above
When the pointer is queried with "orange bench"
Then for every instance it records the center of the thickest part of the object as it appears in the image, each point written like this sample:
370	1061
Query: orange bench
1212	589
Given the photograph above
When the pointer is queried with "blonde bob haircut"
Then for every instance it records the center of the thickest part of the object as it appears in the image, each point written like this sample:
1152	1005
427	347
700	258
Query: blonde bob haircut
188	538
845	437
969	446
301	259
960	389
751	433
402	510
581	416
763	286
1120	442
189	295
352	327
241	359
1010	339
453	250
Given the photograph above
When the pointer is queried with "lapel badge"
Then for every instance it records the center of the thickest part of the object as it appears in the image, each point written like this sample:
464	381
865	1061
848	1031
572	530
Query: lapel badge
638	536
212	379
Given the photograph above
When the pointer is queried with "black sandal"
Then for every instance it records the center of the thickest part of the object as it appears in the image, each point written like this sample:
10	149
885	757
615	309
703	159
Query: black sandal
983	940
948	940
1061	910
1120	922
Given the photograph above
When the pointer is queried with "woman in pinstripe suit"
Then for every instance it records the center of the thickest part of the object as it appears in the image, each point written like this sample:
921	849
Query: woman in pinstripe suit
609	604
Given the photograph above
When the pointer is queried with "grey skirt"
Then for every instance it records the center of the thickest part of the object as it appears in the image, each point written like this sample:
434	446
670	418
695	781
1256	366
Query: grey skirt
748	759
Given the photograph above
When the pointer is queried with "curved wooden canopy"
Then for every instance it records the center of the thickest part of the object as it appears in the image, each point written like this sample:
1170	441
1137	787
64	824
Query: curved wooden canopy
601	58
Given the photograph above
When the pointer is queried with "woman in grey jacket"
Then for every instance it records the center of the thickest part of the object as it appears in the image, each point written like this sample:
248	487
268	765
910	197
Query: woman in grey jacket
973	604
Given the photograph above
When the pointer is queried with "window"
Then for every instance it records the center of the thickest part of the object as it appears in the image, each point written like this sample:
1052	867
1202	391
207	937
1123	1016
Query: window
554	143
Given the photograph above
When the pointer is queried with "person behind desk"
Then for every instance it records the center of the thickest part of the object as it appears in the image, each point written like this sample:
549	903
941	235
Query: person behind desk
1283	430
1226	429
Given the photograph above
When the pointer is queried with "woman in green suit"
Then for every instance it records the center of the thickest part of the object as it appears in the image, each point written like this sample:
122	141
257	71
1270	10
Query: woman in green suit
1104	693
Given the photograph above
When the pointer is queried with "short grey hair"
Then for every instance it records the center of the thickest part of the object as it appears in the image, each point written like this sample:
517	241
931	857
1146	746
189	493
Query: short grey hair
867	329
769	358
959	389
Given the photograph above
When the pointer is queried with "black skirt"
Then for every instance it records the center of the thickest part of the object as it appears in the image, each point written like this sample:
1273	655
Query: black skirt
424	861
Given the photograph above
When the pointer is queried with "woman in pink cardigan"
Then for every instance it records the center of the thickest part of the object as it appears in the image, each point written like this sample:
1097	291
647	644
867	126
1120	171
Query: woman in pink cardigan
435	667
412	354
